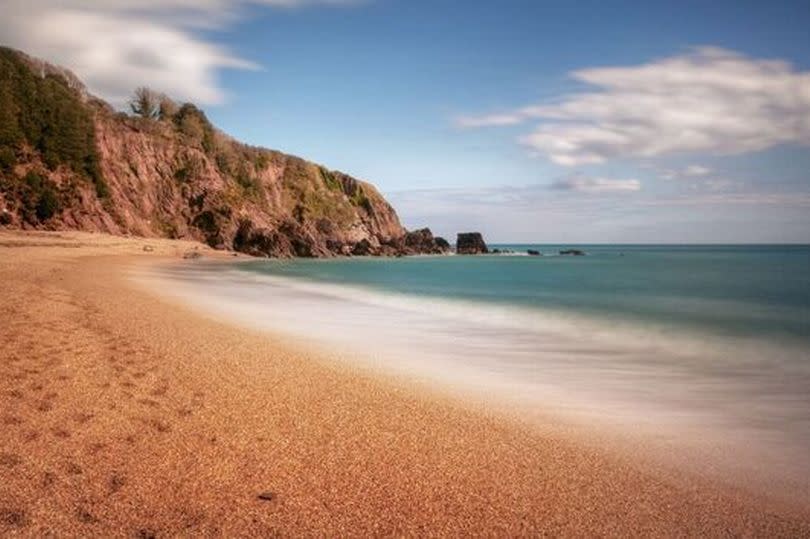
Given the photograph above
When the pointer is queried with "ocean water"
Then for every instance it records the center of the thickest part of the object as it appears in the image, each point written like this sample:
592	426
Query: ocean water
713	341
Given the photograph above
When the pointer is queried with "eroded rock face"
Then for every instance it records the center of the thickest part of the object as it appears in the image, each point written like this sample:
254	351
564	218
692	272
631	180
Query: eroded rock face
470	243
179	177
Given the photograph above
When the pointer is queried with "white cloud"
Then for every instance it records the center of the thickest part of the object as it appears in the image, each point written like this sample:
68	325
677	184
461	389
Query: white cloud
117	45
693	171
690	172
710	100
585	184
491	120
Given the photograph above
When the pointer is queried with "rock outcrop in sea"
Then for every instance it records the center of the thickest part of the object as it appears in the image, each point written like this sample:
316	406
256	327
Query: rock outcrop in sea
470	243
70	161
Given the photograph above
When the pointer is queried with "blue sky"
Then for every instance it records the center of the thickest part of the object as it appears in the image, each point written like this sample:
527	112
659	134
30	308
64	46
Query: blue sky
528	120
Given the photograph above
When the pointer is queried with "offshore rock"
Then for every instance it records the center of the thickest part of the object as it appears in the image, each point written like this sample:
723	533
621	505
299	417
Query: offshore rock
470	243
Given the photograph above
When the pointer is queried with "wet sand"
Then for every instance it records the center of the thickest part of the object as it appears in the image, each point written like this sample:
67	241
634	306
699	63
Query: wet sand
124	414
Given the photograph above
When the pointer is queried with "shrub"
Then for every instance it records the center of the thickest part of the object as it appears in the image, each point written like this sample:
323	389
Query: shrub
193	123
167	108
7	159
262	160
359	198
330	180
40	199
189	170
47	205
250	184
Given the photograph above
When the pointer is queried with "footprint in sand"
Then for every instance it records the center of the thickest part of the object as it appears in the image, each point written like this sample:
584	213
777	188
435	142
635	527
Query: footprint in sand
149	402
73	469
45	406
96	448
146	533
157	424
12	420
9	460
85	517
48	479
13	517
116	482
61	433
83	417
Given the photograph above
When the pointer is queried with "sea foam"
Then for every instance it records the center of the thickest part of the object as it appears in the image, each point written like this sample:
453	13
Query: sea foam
606	369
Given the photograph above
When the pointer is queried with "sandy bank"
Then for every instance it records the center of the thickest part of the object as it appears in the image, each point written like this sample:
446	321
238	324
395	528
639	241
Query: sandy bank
125	415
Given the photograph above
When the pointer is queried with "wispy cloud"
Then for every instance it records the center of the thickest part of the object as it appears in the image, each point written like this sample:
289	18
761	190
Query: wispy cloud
689	172
117	45
586	184
709	100
696	171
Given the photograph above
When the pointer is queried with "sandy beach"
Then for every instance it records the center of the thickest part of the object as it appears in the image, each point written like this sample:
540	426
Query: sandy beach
127	415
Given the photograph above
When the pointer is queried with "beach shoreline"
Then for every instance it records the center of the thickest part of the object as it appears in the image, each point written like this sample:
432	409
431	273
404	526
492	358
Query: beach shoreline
125	413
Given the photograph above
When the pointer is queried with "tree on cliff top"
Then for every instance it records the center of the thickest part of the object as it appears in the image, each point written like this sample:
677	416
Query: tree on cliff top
145	103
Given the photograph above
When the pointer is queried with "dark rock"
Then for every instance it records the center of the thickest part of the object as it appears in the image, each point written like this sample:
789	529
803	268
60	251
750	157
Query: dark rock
421	242
267	496
148	248
442	244
572	252
362	248
532	252
470	243
191	255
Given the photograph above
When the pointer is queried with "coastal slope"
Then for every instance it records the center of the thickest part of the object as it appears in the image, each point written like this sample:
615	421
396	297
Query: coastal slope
136	417
69	161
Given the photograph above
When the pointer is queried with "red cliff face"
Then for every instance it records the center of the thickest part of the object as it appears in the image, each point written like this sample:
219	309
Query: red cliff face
175	177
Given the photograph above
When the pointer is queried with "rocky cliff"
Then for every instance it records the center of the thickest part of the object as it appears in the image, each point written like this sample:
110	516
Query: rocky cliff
69	161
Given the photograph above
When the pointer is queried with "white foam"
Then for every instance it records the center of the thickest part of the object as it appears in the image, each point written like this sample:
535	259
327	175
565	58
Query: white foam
724	388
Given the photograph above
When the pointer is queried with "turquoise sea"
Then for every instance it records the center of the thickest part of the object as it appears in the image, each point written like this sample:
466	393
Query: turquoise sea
710	340
756	290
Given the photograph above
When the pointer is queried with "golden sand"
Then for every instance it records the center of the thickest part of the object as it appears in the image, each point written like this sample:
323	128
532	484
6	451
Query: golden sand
122	414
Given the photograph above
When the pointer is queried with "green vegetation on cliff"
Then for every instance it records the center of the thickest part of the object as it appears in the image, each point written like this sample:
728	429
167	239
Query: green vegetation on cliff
41	111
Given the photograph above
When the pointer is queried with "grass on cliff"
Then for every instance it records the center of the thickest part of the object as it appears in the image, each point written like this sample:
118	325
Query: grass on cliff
44	113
